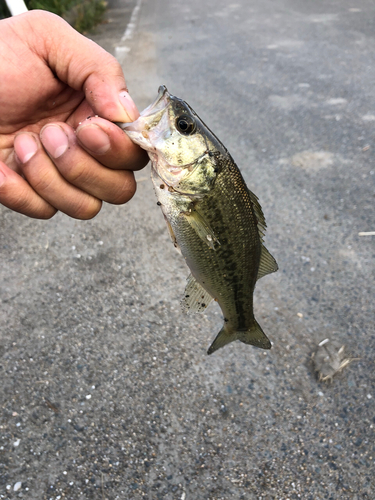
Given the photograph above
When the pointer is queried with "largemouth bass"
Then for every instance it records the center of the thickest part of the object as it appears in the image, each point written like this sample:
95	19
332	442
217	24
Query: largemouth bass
214	220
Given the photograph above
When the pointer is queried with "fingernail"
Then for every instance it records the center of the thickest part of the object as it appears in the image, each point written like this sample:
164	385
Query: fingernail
54	140
2	178
129	106
25	147
93	138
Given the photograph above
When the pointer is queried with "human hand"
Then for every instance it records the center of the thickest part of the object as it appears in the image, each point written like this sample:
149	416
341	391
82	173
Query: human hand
52	157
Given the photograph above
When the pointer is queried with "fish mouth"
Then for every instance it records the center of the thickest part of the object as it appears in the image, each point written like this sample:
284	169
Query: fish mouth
160	103
157	107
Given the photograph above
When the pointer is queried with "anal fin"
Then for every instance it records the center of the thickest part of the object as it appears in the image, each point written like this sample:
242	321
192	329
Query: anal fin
196	298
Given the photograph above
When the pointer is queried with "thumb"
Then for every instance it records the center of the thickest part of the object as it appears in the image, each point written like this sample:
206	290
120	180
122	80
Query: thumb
84	66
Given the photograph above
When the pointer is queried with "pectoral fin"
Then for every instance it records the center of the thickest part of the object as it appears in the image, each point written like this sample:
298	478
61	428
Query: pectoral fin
196	298
202	228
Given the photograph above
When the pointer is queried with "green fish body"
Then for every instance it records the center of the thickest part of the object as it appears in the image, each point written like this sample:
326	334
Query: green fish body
213	219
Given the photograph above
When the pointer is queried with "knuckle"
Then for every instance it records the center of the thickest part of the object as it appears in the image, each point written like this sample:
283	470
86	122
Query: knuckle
35	207
47	213
24	199
87	209
77	175
41	183
125	191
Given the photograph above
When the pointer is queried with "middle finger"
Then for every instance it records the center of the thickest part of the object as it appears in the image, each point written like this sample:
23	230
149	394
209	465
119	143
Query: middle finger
79	168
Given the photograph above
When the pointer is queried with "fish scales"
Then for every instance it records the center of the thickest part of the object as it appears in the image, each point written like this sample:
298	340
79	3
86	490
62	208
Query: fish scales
229	273
212	217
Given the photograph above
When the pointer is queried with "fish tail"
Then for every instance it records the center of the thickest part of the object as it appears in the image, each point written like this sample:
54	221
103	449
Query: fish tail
253	335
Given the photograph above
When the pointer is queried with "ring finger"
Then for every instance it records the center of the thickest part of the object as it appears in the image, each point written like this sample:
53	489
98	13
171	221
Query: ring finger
42	175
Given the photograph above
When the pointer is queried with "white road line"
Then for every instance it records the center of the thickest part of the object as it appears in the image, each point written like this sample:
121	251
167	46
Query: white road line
121	49
16	7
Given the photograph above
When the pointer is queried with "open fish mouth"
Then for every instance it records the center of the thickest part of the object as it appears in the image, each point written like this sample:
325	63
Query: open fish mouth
161	102
146	129
155	109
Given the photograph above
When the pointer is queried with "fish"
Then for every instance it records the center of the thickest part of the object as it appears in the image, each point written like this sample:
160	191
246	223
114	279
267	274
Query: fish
214	220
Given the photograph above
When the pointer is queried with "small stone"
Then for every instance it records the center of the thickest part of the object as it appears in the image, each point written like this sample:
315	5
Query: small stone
17	442
17	486
88	396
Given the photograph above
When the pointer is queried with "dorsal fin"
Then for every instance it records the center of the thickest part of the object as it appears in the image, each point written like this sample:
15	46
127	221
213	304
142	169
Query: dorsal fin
267	264
258	214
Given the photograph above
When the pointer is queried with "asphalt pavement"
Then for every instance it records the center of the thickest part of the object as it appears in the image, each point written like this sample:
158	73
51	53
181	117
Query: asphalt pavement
106	389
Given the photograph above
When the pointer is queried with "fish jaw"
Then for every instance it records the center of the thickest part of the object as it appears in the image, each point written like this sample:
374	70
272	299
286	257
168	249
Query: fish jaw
138	131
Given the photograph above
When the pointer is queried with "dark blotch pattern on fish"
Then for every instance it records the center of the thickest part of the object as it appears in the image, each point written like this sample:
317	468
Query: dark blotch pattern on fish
232	268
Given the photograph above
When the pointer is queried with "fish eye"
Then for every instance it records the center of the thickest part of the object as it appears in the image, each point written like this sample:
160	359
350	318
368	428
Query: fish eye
185	124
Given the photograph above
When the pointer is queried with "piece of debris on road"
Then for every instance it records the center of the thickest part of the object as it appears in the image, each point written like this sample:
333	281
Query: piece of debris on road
329	360
366	233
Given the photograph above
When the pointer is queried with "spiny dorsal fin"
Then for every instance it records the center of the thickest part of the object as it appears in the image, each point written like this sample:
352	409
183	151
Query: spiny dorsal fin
267	264
258	214
196	298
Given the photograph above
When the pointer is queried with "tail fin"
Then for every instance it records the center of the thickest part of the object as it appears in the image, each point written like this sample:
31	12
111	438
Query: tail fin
254	336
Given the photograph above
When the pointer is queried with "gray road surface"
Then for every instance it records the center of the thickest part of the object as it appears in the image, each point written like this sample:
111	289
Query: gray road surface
106	390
